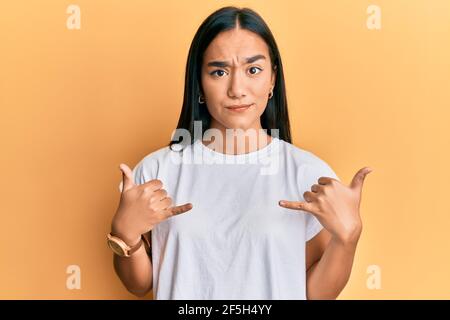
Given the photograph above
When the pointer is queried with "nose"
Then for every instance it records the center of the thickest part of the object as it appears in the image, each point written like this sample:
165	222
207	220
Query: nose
236	87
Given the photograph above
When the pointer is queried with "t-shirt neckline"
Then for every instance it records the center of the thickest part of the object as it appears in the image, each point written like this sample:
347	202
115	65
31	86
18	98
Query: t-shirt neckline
260	153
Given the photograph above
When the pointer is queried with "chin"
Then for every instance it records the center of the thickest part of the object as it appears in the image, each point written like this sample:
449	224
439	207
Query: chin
244	125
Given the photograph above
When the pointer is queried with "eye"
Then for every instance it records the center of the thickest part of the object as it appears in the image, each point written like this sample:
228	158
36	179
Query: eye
217	72
255	68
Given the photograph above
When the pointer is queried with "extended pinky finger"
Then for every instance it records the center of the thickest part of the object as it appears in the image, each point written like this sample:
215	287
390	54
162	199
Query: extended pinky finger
297	205
180	209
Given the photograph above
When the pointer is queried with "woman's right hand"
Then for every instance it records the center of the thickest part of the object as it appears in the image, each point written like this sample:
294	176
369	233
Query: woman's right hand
142	207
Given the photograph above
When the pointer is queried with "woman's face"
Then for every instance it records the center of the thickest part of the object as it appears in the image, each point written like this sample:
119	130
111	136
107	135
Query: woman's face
237	70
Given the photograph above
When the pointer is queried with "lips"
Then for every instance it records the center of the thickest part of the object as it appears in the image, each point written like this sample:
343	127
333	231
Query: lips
239	107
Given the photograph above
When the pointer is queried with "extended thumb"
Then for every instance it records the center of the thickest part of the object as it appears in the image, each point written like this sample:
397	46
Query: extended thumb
127	177
358	179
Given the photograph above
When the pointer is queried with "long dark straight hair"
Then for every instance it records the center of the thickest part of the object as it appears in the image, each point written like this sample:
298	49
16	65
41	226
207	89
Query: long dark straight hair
275	115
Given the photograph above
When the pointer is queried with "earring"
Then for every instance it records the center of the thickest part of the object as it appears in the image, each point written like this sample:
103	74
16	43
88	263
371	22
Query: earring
271	93
200	100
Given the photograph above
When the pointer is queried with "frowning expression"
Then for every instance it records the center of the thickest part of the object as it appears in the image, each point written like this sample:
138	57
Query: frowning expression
237	71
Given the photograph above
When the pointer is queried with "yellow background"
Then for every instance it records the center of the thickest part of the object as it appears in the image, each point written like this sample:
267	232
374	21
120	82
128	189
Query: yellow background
77	103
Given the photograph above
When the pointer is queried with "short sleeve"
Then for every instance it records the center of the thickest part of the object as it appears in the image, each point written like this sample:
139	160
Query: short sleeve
309	175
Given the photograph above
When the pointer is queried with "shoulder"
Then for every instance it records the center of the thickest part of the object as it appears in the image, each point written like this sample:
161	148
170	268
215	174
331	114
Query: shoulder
308	164
156	156
159	160
147	168
305	158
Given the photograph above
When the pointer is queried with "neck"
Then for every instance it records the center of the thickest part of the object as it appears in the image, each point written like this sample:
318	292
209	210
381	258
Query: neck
236	141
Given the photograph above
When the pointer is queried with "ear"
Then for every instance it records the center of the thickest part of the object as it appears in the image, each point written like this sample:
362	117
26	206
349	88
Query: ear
274	76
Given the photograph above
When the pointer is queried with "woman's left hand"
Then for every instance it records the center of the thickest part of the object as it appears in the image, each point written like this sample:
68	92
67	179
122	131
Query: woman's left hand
335	205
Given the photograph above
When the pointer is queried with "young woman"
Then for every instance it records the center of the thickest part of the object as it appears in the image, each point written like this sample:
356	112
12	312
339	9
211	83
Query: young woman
260	218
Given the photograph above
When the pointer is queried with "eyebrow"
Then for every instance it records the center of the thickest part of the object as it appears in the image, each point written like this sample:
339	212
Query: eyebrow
223	64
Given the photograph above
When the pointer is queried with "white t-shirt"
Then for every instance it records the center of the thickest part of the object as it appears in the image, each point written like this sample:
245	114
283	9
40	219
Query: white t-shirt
236	242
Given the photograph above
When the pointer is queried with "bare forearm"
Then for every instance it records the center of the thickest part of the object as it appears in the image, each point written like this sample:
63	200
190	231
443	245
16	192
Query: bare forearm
135	272
328	276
